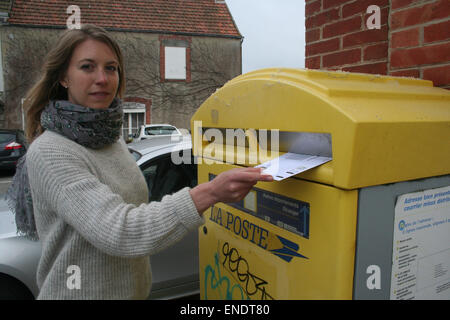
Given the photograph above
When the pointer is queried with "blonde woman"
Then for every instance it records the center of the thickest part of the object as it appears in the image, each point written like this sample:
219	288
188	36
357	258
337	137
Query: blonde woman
81	192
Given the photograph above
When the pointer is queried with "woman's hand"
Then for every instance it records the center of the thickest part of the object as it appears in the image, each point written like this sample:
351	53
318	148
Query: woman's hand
229	186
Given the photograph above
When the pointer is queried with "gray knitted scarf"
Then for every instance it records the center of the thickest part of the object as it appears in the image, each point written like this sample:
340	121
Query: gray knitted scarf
91	128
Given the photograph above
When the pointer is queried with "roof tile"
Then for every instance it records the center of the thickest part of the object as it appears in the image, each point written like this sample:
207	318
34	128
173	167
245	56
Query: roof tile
172	16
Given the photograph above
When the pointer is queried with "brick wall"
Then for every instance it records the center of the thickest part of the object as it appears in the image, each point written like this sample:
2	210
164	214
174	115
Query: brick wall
413	38
420	40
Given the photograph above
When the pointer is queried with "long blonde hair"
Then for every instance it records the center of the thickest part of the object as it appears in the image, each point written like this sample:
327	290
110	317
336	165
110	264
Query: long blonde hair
48	87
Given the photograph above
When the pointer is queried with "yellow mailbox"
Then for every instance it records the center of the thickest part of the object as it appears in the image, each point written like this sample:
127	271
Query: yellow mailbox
342	230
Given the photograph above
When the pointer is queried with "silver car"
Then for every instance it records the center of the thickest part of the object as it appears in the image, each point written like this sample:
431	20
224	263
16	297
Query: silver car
168	166
151	131
19	258
174	270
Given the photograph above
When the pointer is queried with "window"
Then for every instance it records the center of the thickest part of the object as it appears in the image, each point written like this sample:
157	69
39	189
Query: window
159	130
133	118
7	137
164	177
175	58
175	63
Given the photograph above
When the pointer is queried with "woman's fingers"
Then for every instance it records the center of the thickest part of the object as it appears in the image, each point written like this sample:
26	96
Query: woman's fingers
229	186
251	174
233	185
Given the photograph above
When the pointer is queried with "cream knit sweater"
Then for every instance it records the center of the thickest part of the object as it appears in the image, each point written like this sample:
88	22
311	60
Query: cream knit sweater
94	222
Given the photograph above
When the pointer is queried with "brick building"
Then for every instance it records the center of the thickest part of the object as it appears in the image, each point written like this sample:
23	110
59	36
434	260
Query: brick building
412	38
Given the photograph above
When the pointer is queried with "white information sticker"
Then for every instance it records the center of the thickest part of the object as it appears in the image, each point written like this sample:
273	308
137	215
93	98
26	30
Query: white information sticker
421	248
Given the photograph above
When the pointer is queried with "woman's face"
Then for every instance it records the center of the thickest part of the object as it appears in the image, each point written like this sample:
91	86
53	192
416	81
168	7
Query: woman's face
92	77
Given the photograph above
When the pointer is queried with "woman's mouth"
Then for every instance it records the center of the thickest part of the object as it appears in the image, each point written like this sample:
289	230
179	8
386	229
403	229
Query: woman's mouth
99	94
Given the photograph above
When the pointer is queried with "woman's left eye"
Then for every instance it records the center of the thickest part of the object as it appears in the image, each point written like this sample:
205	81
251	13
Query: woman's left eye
111	68
87	67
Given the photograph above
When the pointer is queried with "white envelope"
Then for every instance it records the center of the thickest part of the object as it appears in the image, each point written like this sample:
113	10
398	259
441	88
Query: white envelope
290	164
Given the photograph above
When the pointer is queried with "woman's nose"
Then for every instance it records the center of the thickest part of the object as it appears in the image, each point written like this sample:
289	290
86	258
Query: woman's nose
101	77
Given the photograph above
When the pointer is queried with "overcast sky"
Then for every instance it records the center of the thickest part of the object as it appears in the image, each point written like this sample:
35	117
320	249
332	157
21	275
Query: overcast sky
273	30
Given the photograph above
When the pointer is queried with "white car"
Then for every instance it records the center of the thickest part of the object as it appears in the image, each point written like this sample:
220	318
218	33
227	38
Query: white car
150	131
174	270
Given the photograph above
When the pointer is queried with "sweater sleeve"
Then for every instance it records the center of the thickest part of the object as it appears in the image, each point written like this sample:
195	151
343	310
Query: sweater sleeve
63	181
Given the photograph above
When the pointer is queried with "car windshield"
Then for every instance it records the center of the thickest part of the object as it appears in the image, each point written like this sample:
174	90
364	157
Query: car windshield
154	131
6	137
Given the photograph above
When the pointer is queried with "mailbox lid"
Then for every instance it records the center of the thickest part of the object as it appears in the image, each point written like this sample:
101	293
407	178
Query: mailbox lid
383	129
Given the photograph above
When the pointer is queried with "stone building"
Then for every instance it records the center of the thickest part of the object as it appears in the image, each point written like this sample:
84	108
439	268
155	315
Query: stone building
177	52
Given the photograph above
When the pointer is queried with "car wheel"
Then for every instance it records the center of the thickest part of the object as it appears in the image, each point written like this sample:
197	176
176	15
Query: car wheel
13	289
